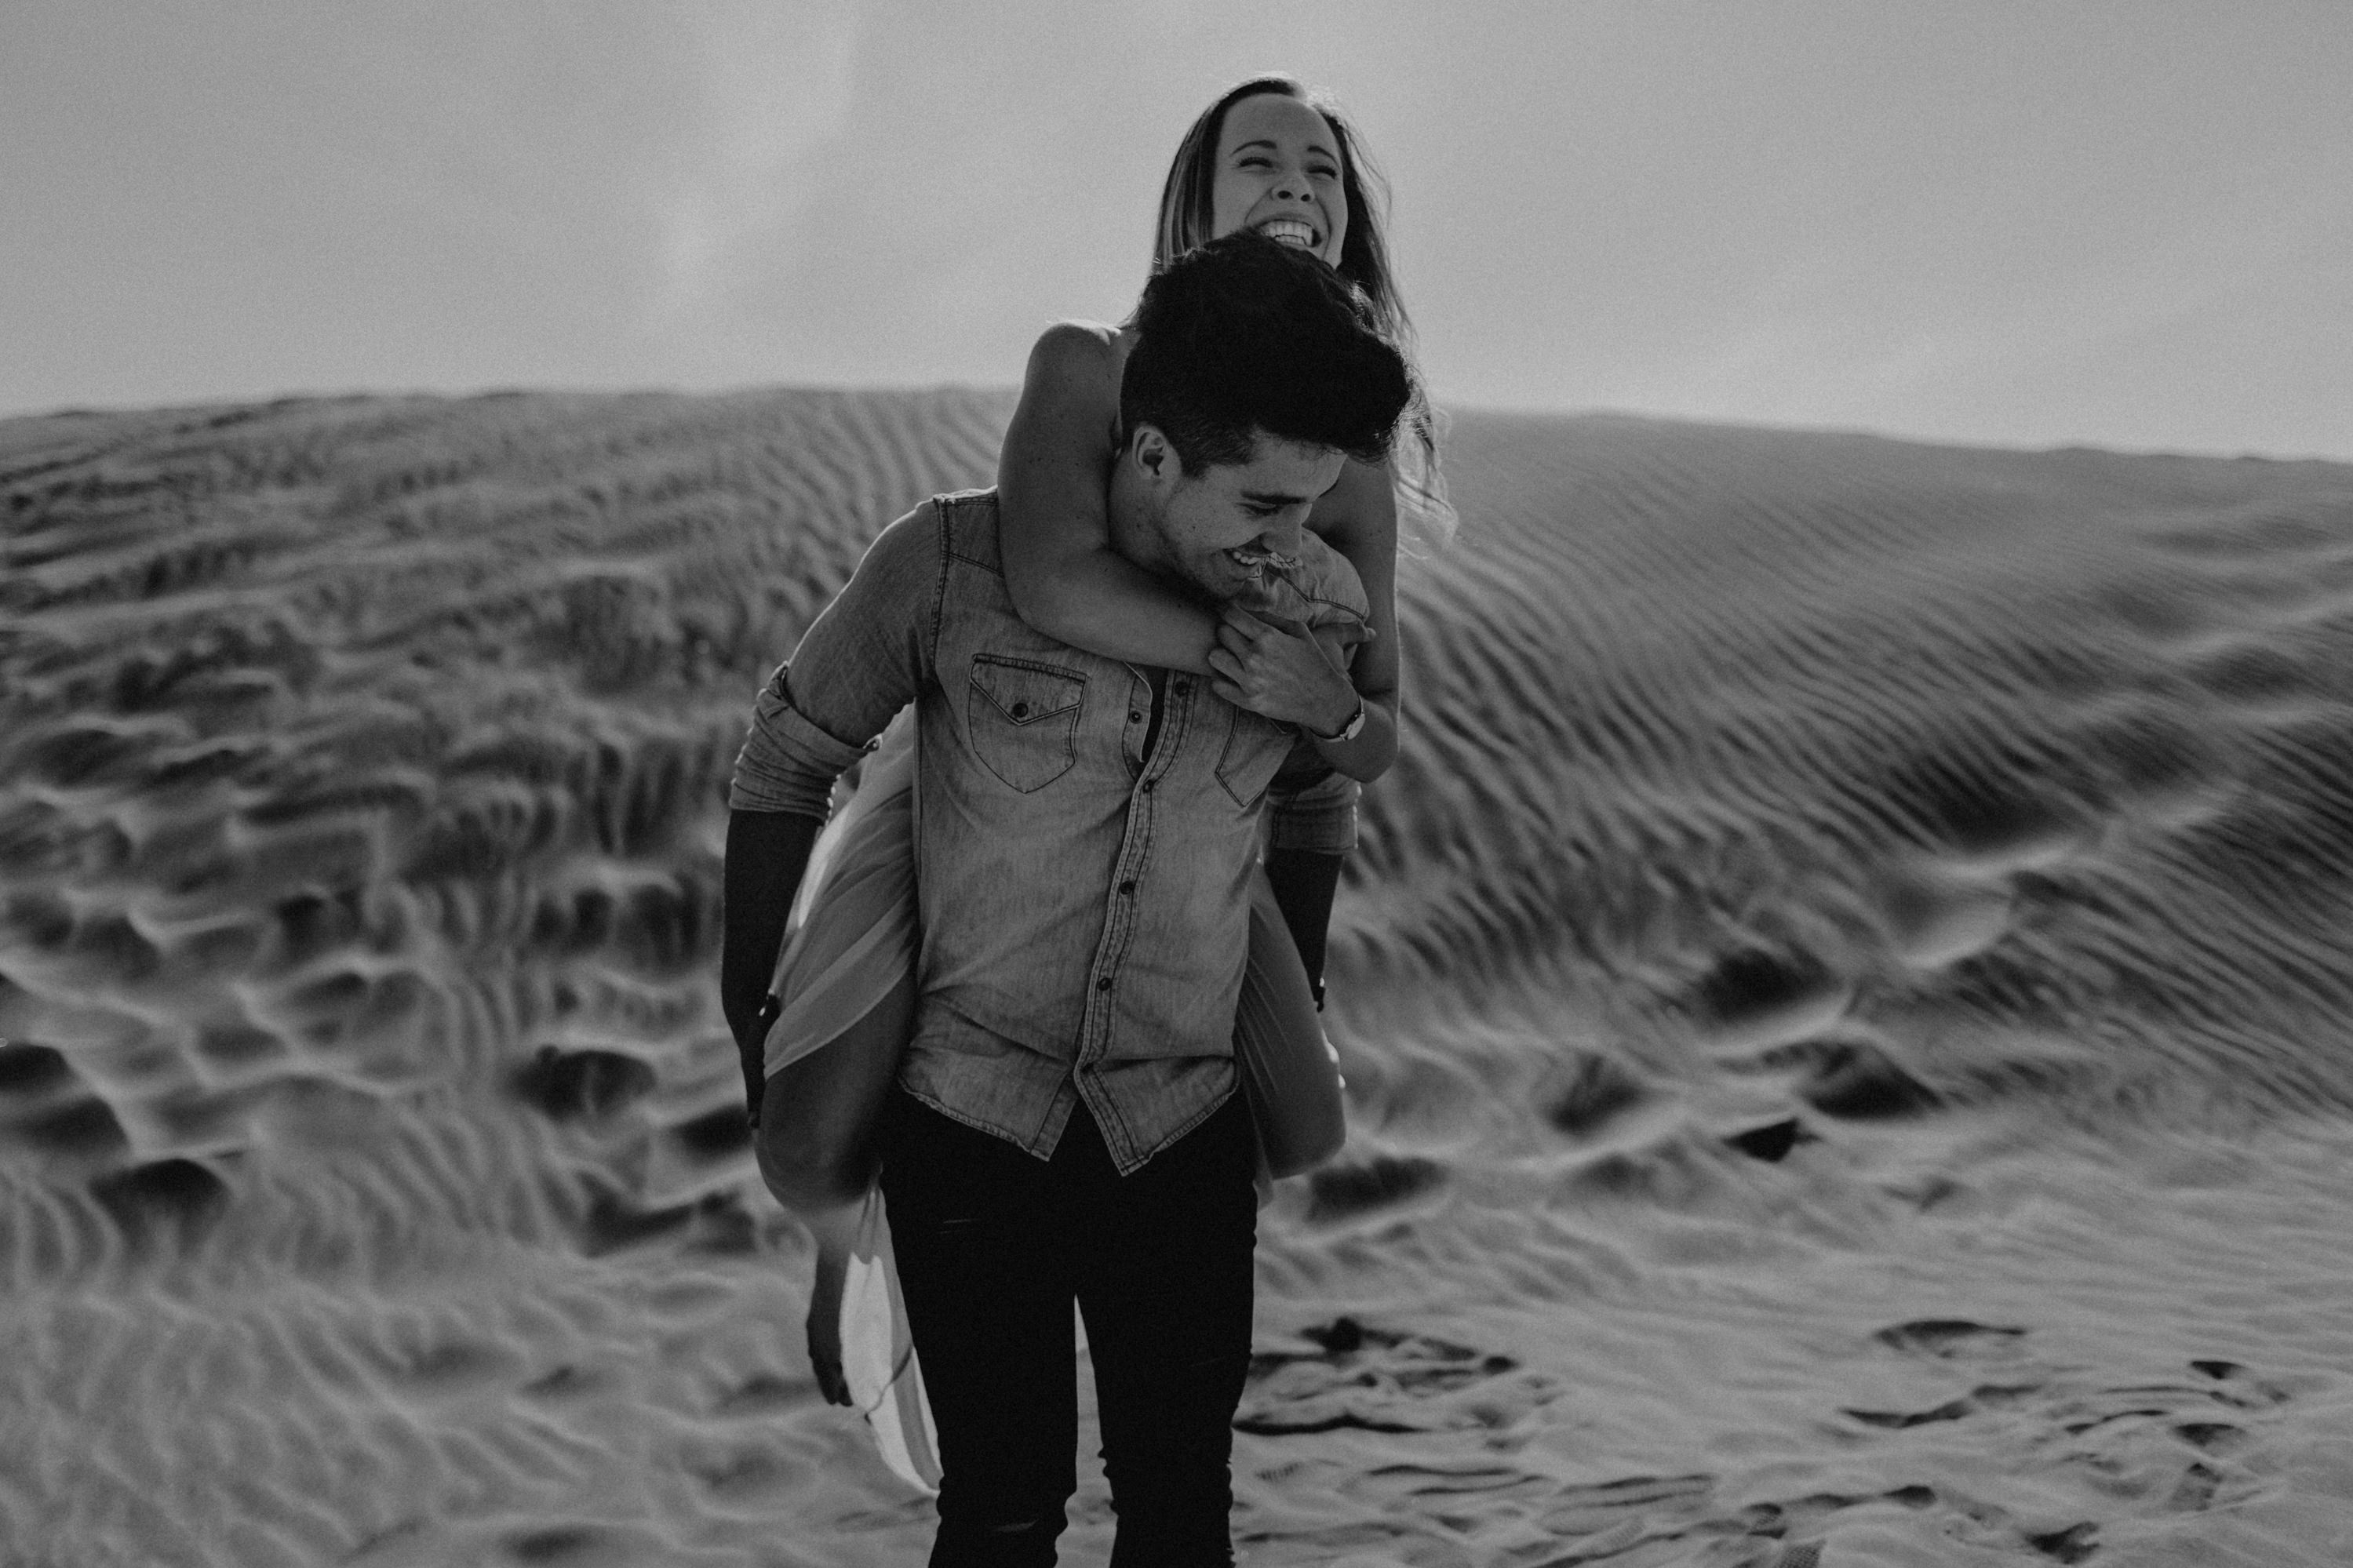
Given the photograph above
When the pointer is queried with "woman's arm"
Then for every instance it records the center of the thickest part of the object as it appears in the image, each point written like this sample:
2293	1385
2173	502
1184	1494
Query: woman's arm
1054	530
1065	579
1357	517
1283	674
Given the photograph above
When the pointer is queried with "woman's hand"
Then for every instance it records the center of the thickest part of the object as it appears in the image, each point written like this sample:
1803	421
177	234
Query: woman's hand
833	1230
1279	669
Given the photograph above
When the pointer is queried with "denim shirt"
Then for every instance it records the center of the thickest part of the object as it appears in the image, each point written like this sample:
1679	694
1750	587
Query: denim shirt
1084	906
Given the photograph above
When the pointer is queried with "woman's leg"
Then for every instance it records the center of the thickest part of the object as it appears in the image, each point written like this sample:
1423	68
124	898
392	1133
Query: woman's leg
1304	881
819	1115
1287	1070
836	1231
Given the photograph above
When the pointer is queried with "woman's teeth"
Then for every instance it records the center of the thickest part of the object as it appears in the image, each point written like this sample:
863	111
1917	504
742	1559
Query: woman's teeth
1289	231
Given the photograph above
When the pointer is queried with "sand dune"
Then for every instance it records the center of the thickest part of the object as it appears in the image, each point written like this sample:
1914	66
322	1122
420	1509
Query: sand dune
1844	999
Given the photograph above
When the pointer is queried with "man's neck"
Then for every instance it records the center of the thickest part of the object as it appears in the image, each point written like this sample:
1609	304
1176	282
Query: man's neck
1128	509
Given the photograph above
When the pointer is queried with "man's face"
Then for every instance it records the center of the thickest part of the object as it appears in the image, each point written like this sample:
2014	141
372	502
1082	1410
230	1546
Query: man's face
1224	528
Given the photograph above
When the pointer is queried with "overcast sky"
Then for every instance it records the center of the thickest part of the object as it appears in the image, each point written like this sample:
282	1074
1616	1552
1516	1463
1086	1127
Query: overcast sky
2015	221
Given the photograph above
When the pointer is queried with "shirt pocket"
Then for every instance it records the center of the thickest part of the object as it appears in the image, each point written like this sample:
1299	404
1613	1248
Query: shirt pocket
1024	719
1255	747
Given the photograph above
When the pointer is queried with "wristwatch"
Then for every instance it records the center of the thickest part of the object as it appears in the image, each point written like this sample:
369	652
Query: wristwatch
1348	731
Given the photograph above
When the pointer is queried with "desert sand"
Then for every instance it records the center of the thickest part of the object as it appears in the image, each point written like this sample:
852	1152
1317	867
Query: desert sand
1846	1002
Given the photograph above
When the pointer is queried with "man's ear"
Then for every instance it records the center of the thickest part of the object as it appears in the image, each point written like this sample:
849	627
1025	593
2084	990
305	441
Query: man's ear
1155	457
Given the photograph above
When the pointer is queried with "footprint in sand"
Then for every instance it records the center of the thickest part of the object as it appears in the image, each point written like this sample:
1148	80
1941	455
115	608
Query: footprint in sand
1377	1184
1996	832
1951	1339
1753	1000
1945	906
1588	1094
29	1071
2141	1450
176	1199
1785	1015
43	1107
716	1223
1675	1515
1349	1376
1855	1081
1395	1393
589	1084
1610	1516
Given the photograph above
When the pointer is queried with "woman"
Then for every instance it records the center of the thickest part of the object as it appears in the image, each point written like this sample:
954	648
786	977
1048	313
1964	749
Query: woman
1267	156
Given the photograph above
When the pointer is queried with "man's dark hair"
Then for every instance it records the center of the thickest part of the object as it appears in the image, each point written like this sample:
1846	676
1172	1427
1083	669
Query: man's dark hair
1245	336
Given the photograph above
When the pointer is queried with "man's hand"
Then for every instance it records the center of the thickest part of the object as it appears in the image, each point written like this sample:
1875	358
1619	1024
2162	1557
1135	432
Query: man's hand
1276	668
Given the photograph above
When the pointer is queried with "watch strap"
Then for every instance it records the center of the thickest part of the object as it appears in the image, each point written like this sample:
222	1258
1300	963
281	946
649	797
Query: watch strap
1348	731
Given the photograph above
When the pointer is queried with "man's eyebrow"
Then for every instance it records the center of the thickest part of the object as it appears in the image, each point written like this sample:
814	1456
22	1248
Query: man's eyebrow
1275	497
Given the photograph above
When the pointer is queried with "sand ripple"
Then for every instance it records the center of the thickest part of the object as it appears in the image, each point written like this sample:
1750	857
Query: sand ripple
1843	997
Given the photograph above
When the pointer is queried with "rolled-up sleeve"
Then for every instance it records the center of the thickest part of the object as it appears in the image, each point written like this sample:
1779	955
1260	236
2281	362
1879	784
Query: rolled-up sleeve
787	764
862	659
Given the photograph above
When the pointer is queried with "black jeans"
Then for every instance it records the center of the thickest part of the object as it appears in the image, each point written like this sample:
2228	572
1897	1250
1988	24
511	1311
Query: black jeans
993	1246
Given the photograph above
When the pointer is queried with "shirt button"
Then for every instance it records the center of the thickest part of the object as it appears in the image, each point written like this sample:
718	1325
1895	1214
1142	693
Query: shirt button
1128	887
1021	710
1147	786
1104	984
1133	717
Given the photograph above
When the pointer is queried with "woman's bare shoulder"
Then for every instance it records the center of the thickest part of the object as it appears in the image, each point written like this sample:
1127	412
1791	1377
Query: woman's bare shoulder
1081	352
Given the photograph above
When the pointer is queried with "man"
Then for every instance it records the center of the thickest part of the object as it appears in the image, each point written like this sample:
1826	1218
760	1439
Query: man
1068	1125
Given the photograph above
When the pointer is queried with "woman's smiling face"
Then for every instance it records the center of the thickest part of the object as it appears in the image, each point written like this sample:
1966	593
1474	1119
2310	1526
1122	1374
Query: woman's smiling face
1279	173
